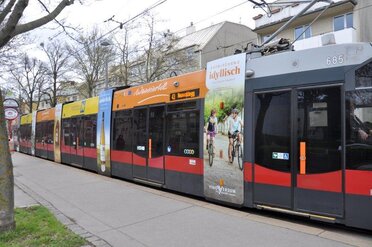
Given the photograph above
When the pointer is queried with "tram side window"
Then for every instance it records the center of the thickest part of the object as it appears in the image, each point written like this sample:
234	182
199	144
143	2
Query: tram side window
183	106
273	131
319	126
44	132
28	133
182	135
66	132
50	128
73	131
38	134
22	130
94	130
359	130
122	135
90	131
363	76
80	131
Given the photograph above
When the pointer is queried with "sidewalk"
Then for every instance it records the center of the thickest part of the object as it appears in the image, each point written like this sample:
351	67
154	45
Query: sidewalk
112	212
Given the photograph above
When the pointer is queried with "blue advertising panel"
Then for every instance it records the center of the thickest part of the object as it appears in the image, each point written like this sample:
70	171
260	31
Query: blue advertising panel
103	132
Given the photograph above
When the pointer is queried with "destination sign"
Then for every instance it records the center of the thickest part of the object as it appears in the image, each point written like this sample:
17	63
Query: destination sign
184	95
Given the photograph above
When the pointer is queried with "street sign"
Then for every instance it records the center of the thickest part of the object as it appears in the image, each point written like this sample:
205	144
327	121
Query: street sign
12	103
10	113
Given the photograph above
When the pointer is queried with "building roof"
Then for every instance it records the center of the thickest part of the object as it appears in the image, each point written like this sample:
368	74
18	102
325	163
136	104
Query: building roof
270	21
200	37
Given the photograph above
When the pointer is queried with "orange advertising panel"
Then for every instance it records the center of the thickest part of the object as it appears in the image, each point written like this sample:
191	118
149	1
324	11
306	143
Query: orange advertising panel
45	115
178	88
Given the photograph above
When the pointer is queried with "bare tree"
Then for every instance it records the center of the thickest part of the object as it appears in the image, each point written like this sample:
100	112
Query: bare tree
160	55
58	66
126	52
11	26
12	11
90	57
30	78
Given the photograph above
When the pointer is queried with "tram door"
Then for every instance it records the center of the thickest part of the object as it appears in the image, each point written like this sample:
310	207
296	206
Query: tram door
76	151
148	143
273	166
50	128
298	150
319	176
44	132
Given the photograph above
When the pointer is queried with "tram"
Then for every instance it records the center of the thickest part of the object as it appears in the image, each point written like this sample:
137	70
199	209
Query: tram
44	147
303	120
25	134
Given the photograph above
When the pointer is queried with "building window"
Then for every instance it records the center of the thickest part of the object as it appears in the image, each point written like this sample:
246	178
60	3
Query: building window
302	32
343	21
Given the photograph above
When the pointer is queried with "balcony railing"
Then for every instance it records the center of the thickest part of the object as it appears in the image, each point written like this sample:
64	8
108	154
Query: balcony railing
288	12
347	35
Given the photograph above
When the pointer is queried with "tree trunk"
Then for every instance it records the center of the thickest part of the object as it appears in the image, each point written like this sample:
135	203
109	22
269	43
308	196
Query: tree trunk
54	100
6	177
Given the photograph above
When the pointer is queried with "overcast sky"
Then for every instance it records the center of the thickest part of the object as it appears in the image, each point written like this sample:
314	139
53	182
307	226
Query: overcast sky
176	14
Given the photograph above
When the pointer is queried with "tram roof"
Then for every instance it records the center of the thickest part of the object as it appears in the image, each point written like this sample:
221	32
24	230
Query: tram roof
45	115
26	119
325	57
83	107
174	89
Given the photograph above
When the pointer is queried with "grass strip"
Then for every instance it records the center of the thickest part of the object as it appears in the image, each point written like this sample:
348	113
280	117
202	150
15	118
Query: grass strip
36	226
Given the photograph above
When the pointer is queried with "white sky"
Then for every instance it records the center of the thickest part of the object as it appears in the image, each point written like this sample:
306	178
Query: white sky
176	14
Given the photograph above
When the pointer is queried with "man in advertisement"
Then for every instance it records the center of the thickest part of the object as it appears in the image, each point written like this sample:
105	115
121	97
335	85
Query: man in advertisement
235	126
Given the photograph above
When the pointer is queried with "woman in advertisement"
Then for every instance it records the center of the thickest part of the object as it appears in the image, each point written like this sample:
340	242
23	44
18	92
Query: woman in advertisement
211	129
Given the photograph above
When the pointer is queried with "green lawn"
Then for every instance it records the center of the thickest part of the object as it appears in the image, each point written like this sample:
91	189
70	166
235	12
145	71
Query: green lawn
36	226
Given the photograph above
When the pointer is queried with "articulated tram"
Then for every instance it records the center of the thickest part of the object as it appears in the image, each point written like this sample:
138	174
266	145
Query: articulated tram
302	121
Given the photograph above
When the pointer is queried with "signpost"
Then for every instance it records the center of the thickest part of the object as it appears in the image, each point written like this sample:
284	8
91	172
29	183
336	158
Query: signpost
11	112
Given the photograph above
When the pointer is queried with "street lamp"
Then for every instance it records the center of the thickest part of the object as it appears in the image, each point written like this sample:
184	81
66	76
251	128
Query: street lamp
106	43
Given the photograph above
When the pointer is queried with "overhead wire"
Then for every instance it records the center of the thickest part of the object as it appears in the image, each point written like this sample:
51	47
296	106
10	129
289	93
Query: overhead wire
156	4
214	15
151	7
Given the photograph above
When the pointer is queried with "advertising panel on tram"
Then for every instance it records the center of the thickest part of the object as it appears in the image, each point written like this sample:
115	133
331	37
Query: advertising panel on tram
224	117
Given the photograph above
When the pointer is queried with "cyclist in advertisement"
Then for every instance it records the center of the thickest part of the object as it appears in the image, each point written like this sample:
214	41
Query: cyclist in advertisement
235	125
211	127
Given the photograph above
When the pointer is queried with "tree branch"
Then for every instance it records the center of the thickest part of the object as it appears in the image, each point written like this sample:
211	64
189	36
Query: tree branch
6	10
6	33
43	20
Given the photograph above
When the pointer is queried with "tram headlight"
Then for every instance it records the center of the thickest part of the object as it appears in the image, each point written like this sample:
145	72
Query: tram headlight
249	73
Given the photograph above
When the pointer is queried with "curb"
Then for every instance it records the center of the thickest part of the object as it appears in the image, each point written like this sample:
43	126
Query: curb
68	222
